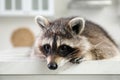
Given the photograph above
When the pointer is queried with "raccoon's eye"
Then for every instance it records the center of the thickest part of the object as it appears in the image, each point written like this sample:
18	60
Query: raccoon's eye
46	48
64	50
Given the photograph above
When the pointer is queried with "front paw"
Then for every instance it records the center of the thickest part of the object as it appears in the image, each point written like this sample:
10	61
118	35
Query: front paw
76	60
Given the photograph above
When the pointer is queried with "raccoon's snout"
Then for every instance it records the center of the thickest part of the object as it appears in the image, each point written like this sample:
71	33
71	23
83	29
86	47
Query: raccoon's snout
52	66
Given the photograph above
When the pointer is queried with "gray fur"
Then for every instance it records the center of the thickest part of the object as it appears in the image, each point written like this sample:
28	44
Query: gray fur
93	43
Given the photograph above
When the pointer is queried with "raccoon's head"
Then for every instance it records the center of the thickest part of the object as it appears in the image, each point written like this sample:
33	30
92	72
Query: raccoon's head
60	40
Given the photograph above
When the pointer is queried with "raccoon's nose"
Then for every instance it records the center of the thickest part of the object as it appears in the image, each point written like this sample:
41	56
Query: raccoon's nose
52	65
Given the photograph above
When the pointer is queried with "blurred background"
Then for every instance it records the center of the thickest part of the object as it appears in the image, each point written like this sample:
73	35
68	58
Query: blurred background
18	29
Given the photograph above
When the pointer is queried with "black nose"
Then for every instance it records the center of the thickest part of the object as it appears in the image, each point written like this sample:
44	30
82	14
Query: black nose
52	66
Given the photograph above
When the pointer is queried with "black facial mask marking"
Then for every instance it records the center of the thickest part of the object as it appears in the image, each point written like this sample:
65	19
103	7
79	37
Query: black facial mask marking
46	49
54	44
65	50
49	50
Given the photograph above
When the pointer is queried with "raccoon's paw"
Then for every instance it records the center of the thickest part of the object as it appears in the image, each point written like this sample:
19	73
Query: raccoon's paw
76	60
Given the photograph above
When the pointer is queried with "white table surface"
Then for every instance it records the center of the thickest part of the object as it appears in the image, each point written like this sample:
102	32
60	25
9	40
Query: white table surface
11	63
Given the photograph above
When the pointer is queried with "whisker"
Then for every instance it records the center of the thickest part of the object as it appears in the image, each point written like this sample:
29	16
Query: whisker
72	53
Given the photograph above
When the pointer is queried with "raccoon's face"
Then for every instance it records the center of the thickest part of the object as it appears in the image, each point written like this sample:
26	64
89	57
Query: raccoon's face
60	40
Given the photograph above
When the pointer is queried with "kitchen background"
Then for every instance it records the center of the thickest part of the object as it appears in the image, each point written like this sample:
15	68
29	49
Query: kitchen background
15	14
17	22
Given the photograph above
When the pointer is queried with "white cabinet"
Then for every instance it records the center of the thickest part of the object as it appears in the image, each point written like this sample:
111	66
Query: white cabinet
26	7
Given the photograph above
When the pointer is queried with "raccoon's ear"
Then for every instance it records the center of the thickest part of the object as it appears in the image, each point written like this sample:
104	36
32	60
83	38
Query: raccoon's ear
42	21
77	25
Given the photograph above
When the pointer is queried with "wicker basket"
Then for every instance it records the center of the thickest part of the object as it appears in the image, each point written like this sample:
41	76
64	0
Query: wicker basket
22	37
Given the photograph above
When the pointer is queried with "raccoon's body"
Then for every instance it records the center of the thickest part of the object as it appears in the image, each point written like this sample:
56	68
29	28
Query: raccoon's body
72	40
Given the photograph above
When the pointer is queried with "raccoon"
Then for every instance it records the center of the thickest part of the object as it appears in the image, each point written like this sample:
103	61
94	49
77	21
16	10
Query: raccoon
74	40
